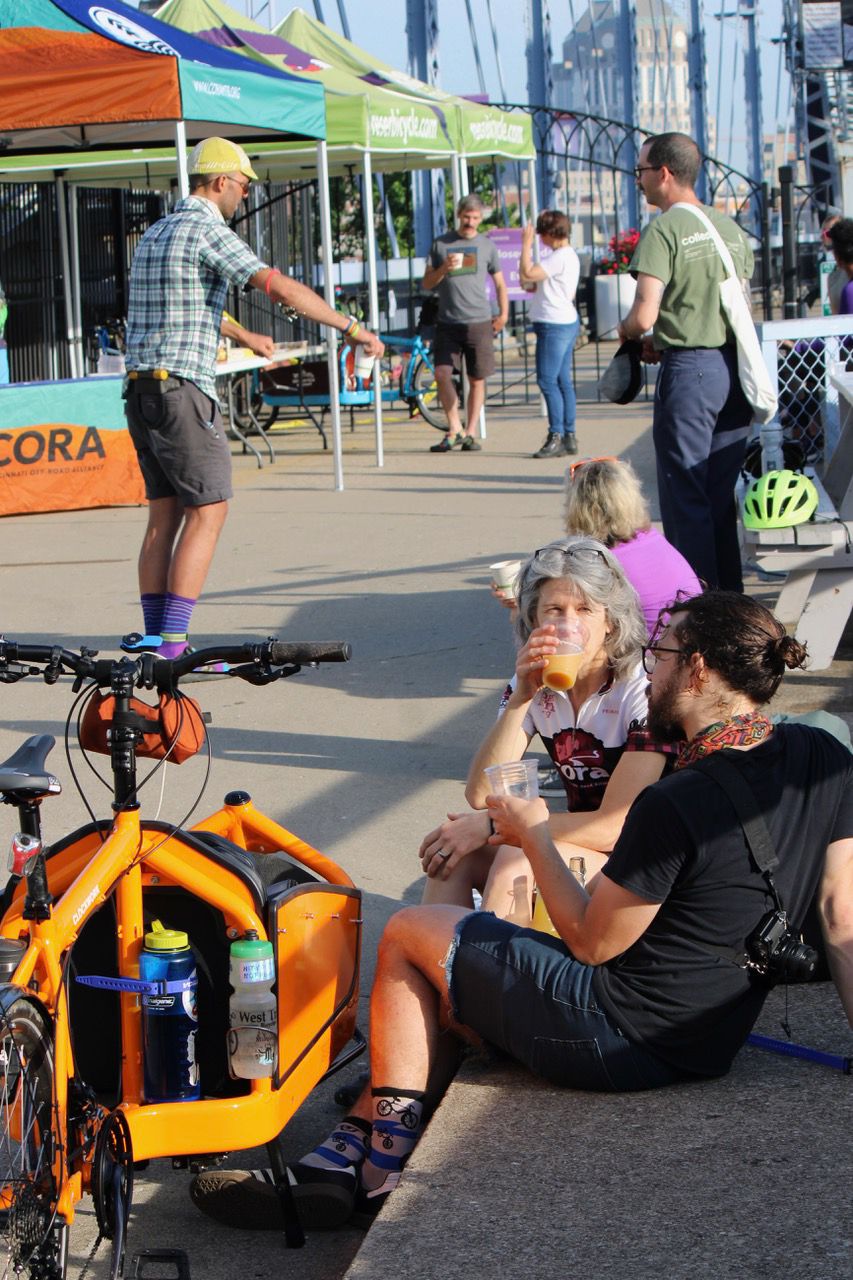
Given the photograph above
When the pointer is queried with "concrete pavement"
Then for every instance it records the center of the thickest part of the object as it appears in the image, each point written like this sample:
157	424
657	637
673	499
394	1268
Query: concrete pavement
362	760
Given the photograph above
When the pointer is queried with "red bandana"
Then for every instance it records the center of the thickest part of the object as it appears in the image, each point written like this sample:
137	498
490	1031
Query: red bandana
739	731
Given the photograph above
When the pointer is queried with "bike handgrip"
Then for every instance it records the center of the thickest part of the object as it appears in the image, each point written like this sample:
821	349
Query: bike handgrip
302	652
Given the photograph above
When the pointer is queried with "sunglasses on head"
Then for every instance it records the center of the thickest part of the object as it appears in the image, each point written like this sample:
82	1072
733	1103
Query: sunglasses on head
585	555
582	462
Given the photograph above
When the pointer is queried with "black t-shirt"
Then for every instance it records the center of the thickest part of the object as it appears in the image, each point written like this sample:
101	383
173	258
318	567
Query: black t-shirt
683	846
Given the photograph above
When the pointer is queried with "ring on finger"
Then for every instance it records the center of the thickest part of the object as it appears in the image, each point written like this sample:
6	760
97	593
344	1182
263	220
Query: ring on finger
442	853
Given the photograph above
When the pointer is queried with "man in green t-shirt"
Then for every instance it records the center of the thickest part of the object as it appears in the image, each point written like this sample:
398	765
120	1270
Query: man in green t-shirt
701	416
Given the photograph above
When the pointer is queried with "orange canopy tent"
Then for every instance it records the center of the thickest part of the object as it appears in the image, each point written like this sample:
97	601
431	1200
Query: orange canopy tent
64	89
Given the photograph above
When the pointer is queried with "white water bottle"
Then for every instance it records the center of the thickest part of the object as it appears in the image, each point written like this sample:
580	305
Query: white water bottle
772	456
253	1010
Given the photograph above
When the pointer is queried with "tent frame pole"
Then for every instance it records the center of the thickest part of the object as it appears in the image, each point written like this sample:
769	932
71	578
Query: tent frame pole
181	149
76	289
373	290
65	260
329	294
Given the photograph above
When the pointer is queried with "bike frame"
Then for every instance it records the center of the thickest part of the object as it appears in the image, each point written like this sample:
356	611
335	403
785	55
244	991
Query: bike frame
130	858
315	927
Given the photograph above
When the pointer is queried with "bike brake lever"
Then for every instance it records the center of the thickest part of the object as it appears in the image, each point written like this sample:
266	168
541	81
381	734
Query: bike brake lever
259	675
11	675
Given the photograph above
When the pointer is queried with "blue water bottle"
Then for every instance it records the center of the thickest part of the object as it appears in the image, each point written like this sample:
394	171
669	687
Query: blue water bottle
169	1016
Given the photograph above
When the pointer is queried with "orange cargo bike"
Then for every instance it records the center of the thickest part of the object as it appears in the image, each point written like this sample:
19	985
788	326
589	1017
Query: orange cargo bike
74	1119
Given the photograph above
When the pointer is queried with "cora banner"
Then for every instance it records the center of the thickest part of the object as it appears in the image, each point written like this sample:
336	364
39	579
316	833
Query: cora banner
64	446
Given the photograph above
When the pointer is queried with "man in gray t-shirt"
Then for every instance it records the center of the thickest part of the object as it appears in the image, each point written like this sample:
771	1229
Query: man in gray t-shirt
458	264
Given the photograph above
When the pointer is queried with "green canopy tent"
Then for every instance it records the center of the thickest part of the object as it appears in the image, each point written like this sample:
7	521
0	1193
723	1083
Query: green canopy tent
482	132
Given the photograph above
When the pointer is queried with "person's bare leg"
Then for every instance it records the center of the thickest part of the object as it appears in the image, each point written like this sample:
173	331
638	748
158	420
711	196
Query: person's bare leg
449	397
471	872
510	865
155	556
410	1005
193	553
476	400
510	876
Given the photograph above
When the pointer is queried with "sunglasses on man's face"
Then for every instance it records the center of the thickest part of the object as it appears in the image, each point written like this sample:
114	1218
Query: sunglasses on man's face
582	462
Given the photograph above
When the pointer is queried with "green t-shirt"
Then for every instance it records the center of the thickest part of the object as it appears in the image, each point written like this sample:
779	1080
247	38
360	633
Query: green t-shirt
677	249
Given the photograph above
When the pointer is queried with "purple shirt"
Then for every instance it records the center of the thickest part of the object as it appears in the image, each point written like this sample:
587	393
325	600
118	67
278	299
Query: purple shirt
846	307
656	571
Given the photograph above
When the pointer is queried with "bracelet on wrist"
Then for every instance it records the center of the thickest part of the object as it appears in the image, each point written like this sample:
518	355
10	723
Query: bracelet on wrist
351	328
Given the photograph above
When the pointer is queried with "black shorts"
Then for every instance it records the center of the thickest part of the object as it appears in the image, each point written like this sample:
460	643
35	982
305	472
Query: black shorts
180	442
476	342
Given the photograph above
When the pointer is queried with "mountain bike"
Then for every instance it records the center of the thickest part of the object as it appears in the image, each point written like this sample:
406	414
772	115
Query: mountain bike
74	1118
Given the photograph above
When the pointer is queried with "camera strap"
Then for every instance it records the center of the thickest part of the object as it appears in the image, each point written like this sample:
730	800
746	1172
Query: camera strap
729	779
725	773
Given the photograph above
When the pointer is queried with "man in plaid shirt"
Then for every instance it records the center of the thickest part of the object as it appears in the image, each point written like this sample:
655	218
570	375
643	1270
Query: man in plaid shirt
181	273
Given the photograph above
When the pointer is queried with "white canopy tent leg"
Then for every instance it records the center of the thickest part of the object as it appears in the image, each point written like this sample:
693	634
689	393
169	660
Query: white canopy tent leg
76	291
65	260
181	148
373	288
329	293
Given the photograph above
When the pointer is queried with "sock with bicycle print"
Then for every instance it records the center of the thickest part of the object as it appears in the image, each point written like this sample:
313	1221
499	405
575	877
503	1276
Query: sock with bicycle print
397	1122
153	605
344	1149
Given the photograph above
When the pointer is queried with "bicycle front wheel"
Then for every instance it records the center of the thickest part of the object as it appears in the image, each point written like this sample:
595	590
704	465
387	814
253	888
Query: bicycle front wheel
33	1239
425	395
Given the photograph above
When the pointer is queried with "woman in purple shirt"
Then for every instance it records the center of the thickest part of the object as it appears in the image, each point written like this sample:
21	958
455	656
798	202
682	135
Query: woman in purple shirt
841	240
604	501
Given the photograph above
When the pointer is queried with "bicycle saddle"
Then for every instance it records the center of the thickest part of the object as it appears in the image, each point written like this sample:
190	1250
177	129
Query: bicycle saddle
24	773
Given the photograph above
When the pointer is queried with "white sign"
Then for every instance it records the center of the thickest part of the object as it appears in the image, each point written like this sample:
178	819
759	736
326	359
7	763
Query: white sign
822	47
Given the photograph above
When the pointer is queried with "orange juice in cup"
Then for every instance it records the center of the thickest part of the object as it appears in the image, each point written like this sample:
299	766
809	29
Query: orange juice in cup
562	670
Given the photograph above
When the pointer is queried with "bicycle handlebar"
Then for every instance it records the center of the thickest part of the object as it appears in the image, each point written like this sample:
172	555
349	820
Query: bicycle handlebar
257	661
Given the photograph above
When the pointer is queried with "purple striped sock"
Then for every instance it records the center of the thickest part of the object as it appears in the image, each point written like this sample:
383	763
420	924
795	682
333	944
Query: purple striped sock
153	604
177	611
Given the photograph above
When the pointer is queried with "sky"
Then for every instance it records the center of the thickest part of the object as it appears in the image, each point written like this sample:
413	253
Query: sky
387	39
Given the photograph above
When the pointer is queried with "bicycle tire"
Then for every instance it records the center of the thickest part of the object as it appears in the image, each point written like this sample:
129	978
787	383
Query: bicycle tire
33	1239
425	395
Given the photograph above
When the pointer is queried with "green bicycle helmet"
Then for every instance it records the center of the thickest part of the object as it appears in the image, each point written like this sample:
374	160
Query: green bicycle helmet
778	500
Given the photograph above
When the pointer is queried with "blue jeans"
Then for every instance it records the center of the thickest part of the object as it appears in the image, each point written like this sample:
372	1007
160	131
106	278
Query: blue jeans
524	992
554	346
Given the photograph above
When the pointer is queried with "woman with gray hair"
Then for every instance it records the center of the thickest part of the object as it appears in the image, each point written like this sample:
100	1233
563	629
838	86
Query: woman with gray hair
594	732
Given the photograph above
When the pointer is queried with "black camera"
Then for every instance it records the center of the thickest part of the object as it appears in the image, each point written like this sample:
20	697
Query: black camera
778	954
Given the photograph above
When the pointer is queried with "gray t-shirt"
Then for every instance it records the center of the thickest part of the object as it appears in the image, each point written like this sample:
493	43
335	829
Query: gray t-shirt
462	295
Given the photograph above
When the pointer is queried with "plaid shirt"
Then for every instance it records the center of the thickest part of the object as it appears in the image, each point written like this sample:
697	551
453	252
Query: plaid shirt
180	276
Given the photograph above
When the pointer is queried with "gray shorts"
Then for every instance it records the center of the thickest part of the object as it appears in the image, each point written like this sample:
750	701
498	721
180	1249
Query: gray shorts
180	442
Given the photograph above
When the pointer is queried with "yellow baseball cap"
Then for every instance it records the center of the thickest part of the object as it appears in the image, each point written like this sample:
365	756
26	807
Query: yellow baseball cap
218	155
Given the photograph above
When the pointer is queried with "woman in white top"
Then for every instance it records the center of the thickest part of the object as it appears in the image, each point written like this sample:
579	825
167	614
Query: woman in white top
555	323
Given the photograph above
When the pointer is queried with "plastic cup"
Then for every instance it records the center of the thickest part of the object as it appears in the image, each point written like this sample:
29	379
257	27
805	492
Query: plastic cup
455	261
505	576
363	364
562	670
517	778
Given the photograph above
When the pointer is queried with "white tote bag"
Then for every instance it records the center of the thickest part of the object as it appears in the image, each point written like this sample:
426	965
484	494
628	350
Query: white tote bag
752	371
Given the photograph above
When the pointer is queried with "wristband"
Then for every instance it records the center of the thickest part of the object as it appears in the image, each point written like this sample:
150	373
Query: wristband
268	282
350	329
